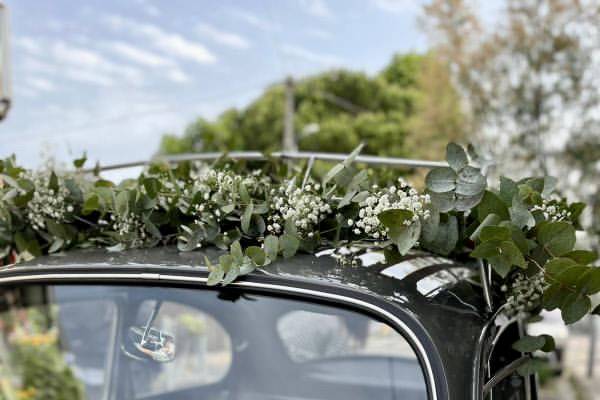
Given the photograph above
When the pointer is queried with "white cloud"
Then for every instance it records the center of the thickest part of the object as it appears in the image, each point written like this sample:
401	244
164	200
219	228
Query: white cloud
254	20
318	8
139	56
84	76
149	8
40	84
171	43
223	37
28	44
310	56
397	6
319	33
178	76
85	63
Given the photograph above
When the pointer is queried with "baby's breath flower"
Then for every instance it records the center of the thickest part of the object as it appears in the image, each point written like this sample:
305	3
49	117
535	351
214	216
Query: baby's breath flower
130	227
553	210
304	206
401	197
524	294
47	203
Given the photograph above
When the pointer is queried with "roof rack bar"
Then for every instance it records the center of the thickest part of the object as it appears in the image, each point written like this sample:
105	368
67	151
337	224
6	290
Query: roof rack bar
294	155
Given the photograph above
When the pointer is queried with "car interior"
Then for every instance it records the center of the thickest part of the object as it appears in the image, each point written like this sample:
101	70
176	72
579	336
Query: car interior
158	342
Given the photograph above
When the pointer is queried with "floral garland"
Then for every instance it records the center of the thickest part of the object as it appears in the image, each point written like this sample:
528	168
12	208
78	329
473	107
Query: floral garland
523	229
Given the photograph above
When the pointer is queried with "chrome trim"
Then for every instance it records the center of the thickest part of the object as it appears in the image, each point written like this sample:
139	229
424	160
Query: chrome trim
284	155
290	289
485	282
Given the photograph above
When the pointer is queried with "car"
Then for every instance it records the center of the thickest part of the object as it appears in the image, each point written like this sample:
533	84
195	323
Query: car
144	324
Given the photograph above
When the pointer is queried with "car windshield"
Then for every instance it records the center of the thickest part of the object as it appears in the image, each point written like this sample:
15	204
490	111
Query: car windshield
128	342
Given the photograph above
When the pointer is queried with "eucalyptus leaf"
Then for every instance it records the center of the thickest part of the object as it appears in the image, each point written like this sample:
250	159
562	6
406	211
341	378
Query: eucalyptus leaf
441	180
557	238
456	156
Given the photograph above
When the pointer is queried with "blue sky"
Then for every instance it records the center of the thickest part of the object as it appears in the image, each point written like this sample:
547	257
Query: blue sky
111	76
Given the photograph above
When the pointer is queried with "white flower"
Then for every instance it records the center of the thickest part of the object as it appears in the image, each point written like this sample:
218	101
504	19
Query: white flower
524	294
350	222
403	197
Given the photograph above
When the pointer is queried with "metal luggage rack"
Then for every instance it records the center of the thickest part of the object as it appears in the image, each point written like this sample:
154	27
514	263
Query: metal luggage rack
284	155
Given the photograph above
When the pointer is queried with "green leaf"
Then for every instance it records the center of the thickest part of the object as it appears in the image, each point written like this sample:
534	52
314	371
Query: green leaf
557	238
508	190
529	344
550	344
56	245
456	156
271	245
79	162
404	236
444	238
502	255
246	217
352	156
332	173
228	208
495	233
233	273
216	272
492	204
236	250
531	366
554	296
289	245
520	214
590	282
556	266
470	182
257	255
122	203
444	202
91	204
490	219
466	203
441	180
152	186
575	309
582	256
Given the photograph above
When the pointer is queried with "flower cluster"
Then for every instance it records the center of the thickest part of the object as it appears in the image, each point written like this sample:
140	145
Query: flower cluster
47	202
304	206
219	188
400	197
553	210
130	228
524	294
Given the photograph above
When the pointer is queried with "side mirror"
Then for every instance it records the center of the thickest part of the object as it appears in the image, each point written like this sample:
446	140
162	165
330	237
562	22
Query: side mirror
5	64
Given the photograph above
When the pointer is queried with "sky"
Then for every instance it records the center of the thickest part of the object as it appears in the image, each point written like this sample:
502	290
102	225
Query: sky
110	77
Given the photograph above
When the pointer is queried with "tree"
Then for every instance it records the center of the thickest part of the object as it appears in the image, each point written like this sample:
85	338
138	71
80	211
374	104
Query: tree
529	82
409	103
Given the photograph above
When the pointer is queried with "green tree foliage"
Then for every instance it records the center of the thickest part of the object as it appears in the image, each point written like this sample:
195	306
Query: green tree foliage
409	103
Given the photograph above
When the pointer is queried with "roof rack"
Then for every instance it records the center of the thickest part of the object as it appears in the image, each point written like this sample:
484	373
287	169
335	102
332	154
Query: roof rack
284	155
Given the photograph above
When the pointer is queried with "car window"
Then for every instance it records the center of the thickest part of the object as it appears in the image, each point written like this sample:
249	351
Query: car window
48	353
311	336
203	350
93	342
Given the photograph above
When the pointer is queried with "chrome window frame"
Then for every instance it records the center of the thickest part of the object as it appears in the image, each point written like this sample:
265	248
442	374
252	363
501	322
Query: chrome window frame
433	387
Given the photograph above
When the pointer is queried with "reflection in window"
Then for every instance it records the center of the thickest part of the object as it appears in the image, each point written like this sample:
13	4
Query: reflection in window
48	354
203	353
309	336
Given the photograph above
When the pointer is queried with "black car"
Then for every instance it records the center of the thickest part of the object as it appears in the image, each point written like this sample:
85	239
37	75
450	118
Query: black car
143	324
